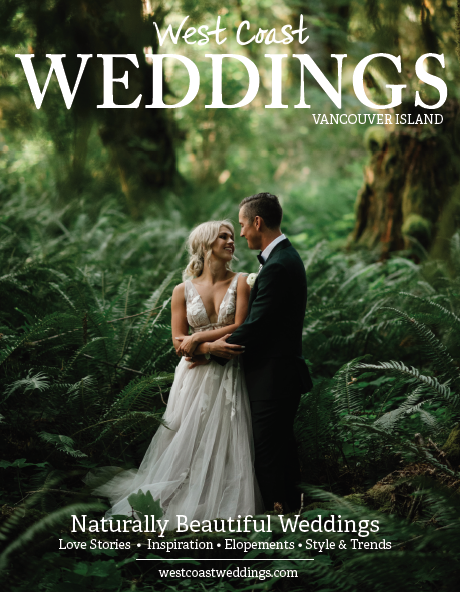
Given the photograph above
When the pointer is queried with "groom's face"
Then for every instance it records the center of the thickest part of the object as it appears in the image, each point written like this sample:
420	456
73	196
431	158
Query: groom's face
250	231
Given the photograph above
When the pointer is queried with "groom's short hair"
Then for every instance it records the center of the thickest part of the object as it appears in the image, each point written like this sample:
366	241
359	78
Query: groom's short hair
265	205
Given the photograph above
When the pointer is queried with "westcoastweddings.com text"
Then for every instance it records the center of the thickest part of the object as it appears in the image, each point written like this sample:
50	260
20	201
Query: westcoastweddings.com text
245	572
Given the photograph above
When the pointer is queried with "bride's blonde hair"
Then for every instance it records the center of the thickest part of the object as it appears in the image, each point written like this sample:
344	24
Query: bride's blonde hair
199	246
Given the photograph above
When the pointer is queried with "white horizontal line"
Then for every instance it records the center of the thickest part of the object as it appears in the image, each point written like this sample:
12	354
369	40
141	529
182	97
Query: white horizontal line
233	559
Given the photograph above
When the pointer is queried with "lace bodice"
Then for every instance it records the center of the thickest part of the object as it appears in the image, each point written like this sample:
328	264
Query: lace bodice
197	316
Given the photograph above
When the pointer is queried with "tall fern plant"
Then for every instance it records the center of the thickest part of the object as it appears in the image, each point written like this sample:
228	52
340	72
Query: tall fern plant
368	411
92	378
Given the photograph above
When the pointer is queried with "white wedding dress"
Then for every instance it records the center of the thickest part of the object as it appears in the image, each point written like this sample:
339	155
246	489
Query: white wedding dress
202	466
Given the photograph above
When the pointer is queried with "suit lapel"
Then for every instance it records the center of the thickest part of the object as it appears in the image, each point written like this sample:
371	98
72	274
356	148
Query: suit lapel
282	245
252	295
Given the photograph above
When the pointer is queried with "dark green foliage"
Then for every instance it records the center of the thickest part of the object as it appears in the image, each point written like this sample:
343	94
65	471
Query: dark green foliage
87	362
370	410
144	505
141	147
86	359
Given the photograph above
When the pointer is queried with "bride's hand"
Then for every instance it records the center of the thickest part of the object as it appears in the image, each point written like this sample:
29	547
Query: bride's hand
197	361
188	345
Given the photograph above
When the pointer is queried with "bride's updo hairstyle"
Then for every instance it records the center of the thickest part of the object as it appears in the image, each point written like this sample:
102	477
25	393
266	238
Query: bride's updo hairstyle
199	246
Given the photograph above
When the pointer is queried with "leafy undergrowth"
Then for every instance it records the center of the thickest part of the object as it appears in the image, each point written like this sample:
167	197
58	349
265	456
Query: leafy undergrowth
86	364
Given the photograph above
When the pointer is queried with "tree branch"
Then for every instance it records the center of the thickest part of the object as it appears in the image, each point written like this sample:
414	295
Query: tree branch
114	365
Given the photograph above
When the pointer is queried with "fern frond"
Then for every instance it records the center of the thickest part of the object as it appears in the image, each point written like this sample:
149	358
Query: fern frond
45	525
62	443
435	350
431	382
348	398
38	381
129	422
445	315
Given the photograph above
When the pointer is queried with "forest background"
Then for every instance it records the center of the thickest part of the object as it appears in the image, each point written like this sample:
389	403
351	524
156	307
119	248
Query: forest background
95	209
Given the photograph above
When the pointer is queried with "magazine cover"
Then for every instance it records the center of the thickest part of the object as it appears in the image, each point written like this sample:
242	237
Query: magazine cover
229	323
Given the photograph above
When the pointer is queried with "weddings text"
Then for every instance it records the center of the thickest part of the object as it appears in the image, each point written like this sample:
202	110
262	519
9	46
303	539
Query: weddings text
217	61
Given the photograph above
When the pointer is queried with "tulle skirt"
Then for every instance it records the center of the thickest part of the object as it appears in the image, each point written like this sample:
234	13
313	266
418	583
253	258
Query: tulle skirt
201	467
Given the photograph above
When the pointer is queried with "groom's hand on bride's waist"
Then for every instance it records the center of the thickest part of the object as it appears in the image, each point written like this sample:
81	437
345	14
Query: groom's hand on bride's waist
222	349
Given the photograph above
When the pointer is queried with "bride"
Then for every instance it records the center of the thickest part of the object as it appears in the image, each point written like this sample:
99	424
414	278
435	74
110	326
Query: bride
201	464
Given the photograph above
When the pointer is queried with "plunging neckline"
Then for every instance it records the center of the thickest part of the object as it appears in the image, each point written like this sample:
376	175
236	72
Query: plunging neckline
220	306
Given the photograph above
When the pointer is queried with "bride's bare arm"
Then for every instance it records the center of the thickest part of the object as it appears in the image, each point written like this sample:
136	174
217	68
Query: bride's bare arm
179	324
205	338
186	344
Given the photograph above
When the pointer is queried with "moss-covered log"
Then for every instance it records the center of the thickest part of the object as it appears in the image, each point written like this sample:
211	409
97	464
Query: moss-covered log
452	447
394	494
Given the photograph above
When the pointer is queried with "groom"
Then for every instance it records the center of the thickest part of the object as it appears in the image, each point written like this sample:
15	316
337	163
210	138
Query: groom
275	370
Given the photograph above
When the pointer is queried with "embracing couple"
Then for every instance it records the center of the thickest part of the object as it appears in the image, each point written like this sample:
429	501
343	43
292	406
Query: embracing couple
228	449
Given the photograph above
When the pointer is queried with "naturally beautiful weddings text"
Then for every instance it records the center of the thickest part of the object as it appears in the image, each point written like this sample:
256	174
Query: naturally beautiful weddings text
149	524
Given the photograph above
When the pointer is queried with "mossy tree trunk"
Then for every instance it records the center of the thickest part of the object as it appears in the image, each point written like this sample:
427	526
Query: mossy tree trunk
452	446
409	180
140	141
327	22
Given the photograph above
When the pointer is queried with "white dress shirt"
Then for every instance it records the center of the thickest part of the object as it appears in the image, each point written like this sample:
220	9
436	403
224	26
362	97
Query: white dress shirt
266	252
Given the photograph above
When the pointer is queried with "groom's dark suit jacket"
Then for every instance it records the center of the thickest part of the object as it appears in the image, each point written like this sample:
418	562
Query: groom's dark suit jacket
272	332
